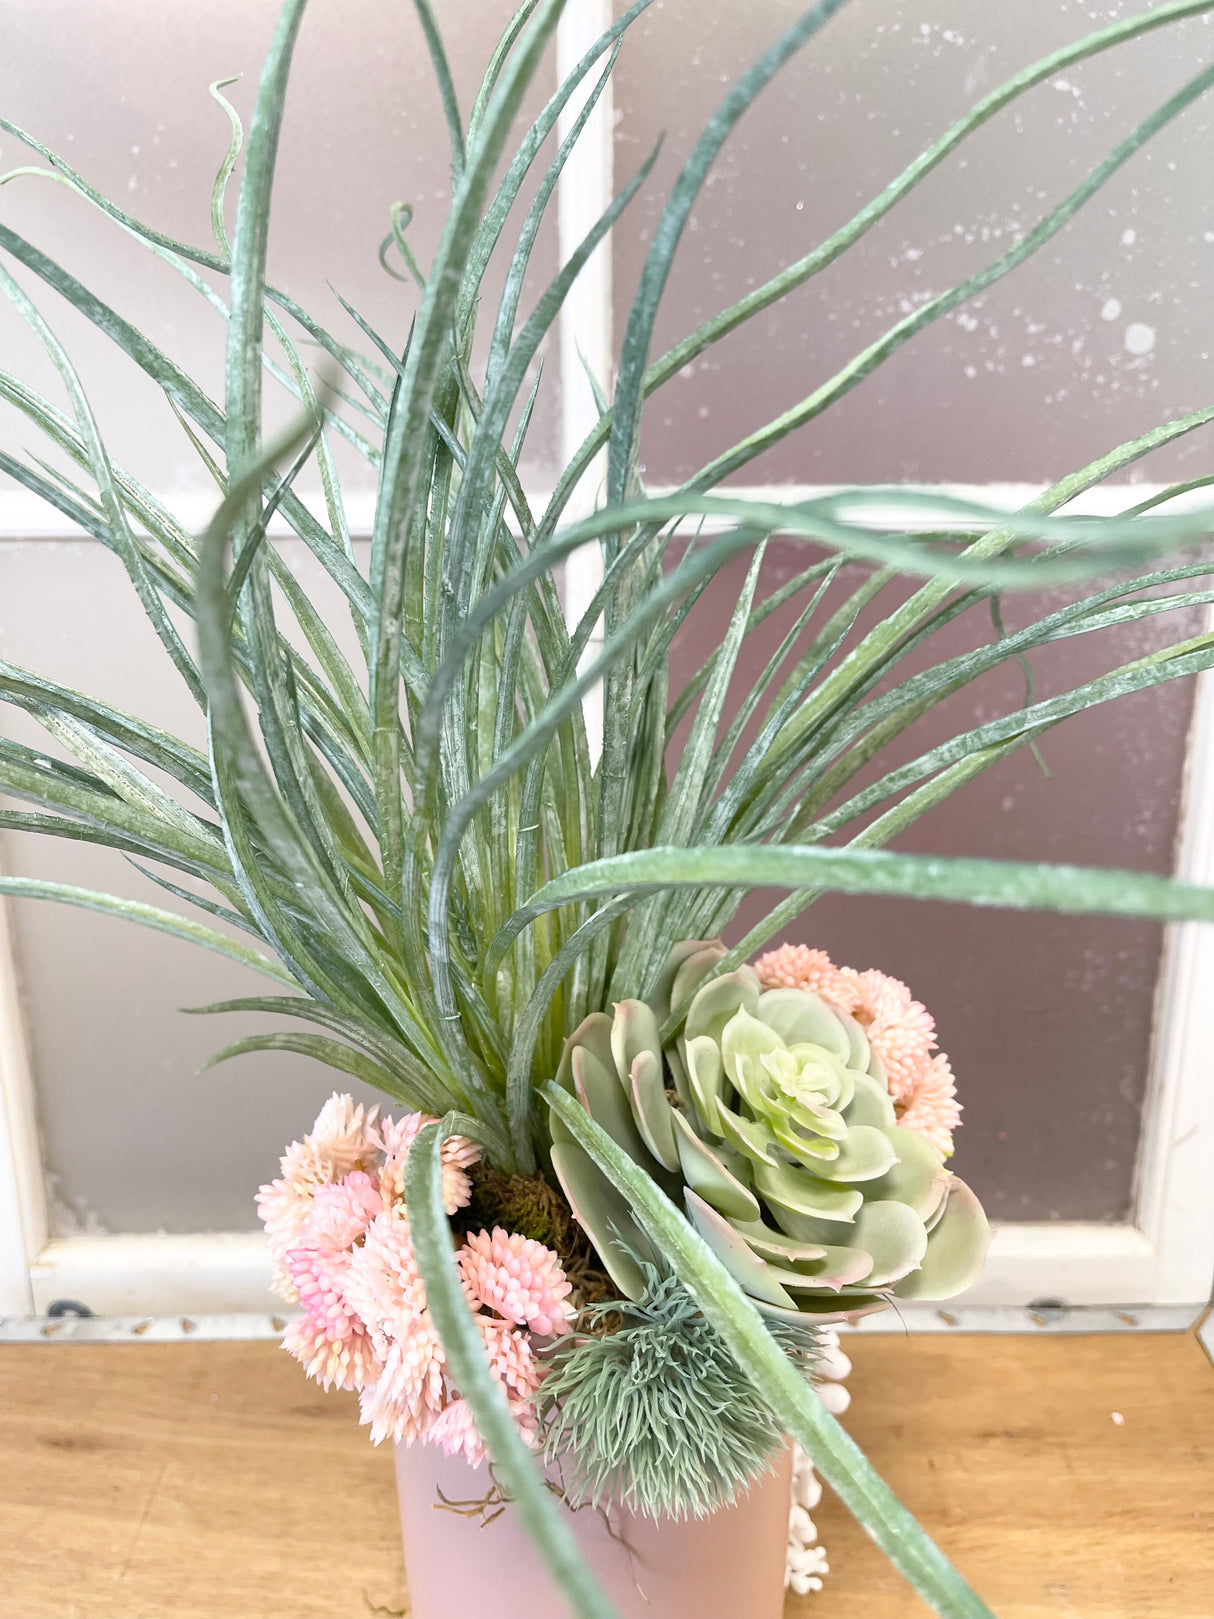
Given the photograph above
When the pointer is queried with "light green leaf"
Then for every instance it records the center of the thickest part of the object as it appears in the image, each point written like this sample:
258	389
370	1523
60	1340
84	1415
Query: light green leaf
181	927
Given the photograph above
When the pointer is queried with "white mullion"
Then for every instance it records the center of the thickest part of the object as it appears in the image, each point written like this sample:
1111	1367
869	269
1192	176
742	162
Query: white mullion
1175	1200
584	193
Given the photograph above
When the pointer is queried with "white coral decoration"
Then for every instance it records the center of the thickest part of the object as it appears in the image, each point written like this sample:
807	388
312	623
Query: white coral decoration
805	1561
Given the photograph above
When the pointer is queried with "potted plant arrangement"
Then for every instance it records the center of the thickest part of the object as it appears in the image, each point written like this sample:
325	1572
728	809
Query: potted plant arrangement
582	1267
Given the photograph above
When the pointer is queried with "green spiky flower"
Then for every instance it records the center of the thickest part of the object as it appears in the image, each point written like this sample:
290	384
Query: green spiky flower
655	1415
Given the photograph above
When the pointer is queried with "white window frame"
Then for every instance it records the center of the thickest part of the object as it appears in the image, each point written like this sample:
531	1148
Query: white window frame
1163	1256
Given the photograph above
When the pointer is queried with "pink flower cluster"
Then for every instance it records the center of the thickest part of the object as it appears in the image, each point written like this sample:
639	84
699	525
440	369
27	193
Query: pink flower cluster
900	1030
339	1236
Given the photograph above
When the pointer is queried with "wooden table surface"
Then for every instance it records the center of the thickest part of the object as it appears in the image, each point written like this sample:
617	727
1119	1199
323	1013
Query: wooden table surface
211	1481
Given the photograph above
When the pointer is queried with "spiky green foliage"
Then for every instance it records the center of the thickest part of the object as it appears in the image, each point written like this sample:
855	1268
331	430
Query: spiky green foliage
656	1414
432	867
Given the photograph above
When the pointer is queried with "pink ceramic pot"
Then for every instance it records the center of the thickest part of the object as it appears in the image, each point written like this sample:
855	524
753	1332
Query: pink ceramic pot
727	1566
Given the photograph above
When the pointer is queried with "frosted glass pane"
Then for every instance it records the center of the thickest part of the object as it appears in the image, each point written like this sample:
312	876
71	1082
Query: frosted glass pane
121	91
135	1139
1046	1019
1107	331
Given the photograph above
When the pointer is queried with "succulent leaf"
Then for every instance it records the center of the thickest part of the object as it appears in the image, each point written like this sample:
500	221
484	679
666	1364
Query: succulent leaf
893	1234
800	1017
748	1136
604	1216
956	1249
871	1104
705	1073
593	1034
699	956
634	1029
693	969
706	1173
718	1001
775	1246
839	1268
918	1177
791	1190
754	1274
599	1092
864	1155
651	1110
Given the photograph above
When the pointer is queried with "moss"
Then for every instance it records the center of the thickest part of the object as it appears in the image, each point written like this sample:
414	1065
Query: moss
526	1203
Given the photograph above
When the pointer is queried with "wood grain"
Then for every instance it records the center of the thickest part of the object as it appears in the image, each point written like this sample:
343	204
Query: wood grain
211	1481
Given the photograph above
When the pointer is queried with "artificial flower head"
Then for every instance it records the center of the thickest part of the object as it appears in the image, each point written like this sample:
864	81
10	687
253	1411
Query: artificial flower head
899	1029
457	1156
796	966
932	1107
519	1278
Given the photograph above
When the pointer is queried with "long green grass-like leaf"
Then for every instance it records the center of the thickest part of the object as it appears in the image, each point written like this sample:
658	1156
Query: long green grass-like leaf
1172	663
497	60
795	275
148	916
1075	890
404	459
102	471
135	737
109	837
875	354
877	833
771	292
614	780
801	1413
379	1040
683	802
860	734
1107	542
521	1479
446	87
330	1052
634	352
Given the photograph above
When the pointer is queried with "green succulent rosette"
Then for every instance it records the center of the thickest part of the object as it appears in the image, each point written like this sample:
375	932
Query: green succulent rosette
769	1121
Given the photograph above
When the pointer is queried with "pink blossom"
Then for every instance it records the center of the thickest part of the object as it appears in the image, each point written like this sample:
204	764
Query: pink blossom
345	1363
340	1141
387	1287
318	1267
336	1225
900	1029
519	1278
932	1107
319	1275
406	1400
457	1155
456	1431
384	1283
511	1356
796	966
284	1210
342	1212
